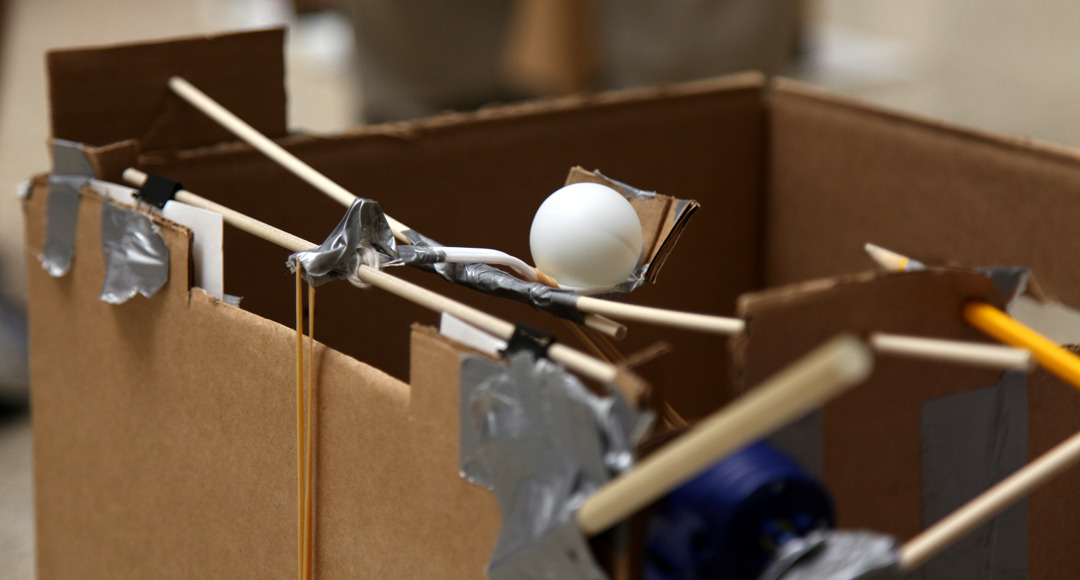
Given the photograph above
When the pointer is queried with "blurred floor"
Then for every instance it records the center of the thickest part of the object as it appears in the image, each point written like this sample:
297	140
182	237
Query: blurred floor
1005	67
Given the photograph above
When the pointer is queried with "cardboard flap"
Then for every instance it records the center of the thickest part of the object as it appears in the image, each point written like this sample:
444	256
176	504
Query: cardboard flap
103	95
870	436
663	218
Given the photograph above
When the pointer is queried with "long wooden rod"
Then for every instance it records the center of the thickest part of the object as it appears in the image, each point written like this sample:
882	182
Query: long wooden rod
574	360
828	371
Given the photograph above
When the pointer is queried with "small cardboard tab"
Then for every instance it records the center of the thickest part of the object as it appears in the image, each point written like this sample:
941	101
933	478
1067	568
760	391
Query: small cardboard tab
663	218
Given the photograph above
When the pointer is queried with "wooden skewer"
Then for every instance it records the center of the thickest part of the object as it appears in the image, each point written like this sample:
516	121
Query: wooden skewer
661	316
574	360
990	503
972	353
329	187
253	137
829	370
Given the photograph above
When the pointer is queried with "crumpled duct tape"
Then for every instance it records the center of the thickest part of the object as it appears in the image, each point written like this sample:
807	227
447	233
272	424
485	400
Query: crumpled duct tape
364	234
71	170
363	229
136	256
543	443
490	280
836	555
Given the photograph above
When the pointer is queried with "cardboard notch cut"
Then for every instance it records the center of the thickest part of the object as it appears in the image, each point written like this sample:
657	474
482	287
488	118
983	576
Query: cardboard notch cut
158	189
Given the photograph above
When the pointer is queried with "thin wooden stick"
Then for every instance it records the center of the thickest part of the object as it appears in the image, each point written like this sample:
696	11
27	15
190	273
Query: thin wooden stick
253	137
332	189
991	356
821	375
990	503
972	353
574	360
661	316
1004	328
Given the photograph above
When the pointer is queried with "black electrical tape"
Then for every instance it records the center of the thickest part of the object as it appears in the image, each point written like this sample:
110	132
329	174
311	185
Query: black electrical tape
158	189
530	339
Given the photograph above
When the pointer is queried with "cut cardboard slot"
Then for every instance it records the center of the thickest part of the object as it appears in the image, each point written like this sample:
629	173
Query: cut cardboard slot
164	427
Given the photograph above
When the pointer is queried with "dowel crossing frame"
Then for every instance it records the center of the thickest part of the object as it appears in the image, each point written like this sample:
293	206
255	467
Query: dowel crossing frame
573	359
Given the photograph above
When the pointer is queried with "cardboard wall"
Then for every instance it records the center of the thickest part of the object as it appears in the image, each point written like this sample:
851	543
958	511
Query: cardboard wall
179	409
475	180
113	94
165	439
870	435
842	174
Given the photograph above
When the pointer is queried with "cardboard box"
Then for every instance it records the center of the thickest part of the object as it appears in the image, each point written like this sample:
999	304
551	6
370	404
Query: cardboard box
164	427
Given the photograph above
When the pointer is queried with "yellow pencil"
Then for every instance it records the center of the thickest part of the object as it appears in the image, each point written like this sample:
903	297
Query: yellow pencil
1007	330
997	324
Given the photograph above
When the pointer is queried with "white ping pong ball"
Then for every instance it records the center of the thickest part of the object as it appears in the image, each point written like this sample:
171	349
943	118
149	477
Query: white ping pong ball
586	235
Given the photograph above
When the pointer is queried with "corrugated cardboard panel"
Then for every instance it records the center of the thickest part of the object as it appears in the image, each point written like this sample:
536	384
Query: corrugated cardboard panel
165	445
842	174
100	96
1054	510
476	180
872	453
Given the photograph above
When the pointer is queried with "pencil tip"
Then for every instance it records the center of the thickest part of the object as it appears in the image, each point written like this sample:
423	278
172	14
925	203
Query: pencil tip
887	259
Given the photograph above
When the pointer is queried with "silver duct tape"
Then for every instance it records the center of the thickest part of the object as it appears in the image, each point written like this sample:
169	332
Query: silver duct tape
61	217
970	441
363	229
490	280
836	555
627	189
136	256
534	435
71	170
1009	281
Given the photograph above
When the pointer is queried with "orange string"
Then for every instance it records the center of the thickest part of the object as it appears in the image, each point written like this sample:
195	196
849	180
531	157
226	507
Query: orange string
300	426
309	451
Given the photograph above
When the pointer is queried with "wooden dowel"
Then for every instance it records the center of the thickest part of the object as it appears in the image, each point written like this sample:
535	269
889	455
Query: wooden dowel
253	137
1004	328
574	360
989	504
991	356
660	316
264	144
606	326
971	353
829	370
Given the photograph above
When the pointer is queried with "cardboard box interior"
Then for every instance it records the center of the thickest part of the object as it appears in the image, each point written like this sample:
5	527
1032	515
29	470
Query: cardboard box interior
176	408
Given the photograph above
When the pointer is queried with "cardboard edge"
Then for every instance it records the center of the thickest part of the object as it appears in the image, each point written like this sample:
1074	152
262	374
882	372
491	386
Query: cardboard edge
412	130
781	89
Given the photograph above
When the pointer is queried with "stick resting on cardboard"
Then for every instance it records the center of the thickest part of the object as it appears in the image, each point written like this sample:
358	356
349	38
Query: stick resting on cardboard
574	360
